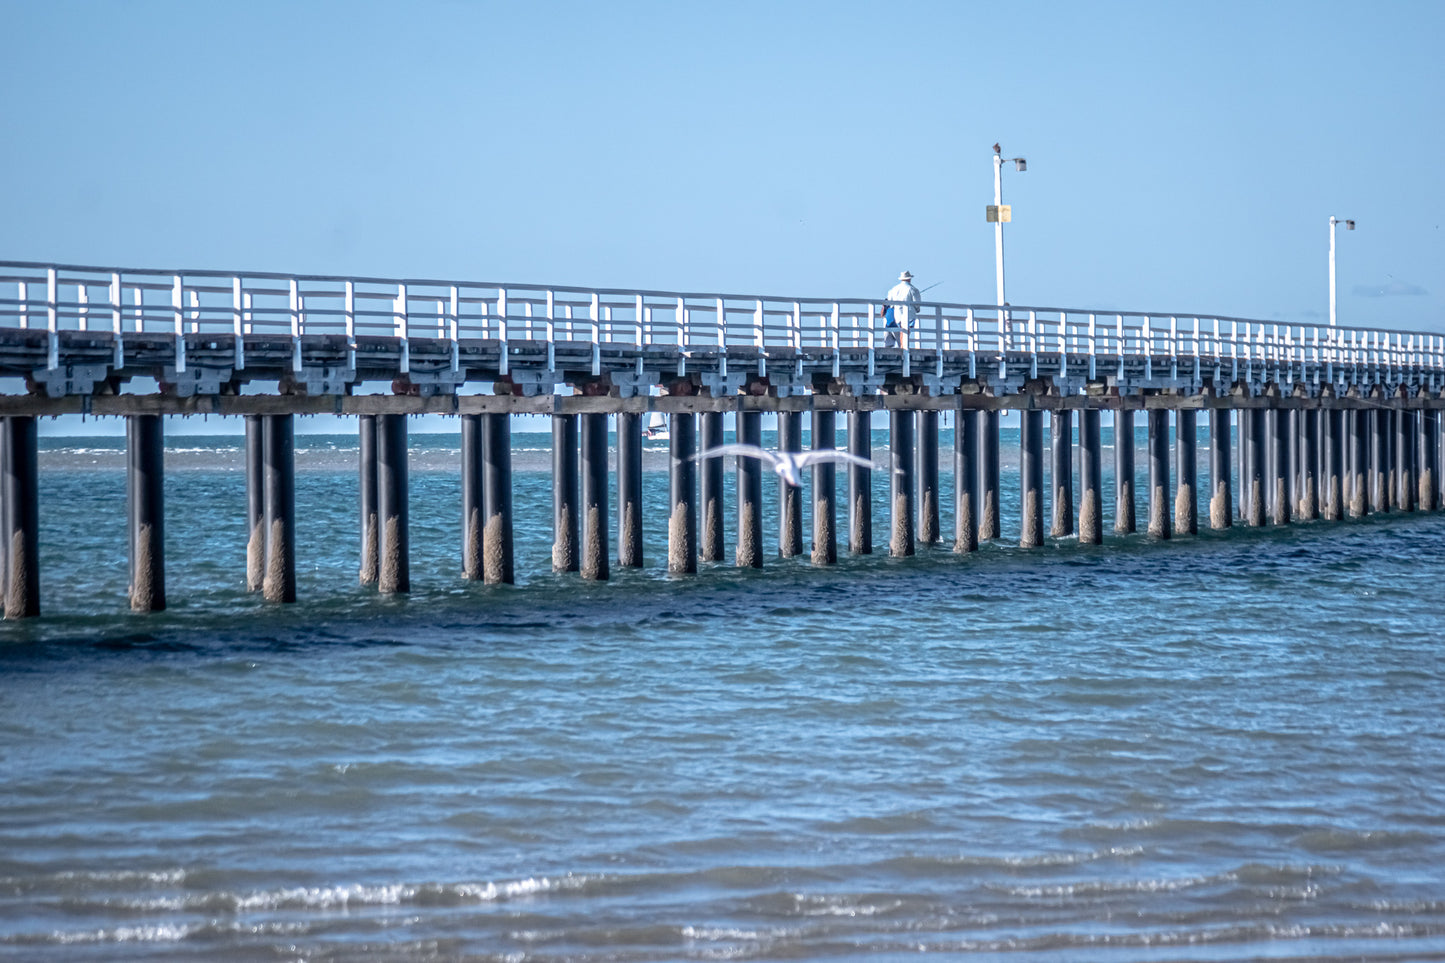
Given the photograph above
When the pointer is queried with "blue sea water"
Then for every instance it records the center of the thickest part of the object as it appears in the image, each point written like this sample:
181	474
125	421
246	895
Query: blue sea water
1219	747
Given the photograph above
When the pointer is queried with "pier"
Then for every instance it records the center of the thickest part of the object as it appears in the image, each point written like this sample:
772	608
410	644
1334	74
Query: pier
1318	422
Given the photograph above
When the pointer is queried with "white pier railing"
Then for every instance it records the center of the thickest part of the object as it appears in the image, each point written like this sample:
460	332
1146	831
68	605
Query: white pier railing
126	301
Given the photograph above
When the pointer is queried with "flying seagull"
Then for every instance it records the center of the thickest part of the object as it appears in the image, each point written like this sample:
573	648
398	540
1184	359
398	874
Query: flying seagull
788	464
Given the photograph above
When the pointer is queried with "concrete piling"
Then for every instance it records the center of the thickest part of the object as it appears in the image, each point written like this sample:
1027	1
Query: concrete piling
145	501
860	484
927	467
1332	486
989	517
20	516
1221	499
790	499
1031	478
593	564
1061	471
629	489
498	563
901	482
1379	428
1309	448
1253	472
682	495
750	493
1124	516
393	506
256	505
1278	429
1359	476
825	512
473	525
1091	478
965	482
1427	435
710	495
1158	448
1404	460
1186	468
566	495
278	455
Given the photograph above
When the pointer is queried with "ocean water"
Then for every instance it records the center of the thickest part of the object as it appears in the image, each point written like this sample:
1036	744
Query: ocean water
1215	748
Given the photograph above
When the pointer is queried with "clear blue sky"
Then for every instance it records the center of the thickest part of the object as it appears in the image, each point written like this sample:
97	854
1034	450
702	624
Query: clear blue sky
1182	156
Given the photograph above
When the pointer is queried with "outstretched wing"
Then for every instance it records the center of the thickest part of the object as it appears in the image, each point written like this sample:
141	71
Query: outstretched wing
808	458
741	451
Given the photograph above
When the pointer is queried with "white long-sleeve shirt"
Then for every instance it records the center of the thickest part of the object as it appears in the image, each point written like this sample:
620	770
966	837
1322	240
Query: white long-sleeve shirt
904	294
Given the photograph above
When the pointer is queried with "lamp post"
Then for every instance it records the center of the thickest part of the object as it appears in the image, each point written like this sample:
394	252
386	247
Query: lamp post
999	214
1349	226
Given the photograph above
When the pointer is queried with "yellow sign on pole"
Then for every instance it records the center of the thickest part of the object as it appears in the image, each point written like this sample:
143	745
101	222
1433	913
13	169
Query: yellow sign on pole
999	213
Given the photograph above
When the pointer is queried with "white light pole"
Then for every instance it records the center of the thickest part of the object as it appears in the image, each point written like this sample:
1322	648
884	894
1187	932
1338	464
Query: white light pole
998	214
1349	226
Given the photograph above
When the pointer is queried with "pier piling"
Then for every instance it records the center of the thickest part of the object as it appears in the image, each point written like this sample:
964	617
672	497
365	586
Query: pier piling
1253	473
1159	522
1358	472
1332	487
145	490
279	467
393	506
565	495
790	499
629	489
1124	515
988	491
1427	440
928	515
682	495
901	482
750	493
20	516
473	526
1186	467
1031	478
825	511
860	484
498	563
1061	471
711	490
1379	428
965	482
1279	424
1309	500
1404	460
1091	478
256	504
1221	499
593	432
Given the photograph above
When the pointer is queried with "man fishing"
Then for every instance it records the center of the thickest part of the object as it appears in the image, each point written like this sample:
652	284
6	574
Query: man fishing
902	301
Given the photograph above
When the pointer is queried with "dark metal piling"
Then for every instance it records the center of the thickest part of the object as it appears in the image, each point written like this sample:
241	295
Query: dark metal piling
1309	500
594	497
498	561
1031	478
1279	423
1221	507
901	481
711	490
927	503
1061	471
989	518
750	493
565	494
20	516
278	445
682	495
1124	516
860	484
1379	459
1292	424
256	505
473	526
393	506
1332	487
1252	473
965	482
1361	444
790	499
145	491
1427	434
825	511
629	489
1091	478
1404	460
1186	467
1159	522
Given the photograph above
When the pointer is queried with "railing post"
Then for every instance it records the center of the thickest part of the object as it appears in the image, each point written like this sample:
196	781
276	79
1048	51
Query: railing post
179	316
400	321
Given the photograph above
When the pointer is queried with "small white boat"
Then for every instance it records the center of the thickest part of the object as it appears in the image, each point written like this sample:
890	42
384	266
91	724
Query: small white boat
657	427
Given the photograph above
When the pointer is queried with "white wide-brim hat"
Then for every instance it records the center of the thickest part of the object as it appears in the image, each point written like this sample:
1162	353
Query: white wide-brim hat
905	276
